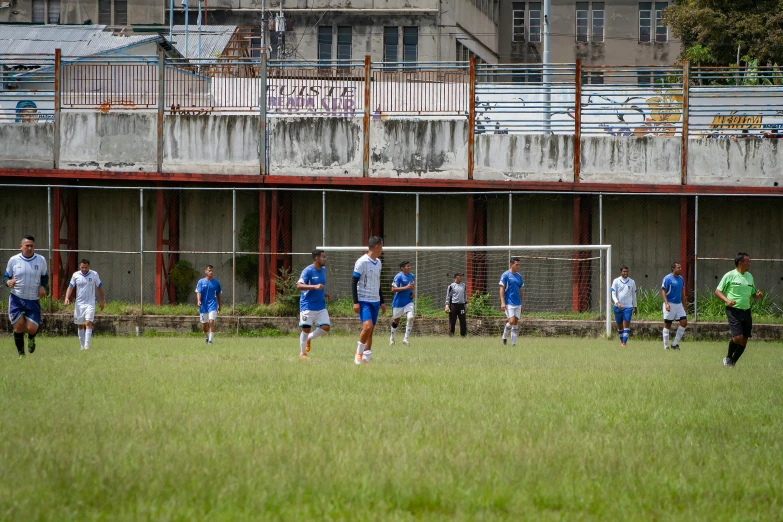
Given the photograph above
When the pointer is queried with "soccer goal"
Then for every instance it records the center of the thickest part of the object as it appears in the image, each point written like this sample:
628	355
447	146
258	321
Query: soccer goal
561	283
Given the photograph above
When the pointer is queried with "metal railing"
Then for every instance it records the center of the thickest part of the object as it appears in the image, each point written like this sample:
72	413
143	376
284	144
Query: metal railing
26	88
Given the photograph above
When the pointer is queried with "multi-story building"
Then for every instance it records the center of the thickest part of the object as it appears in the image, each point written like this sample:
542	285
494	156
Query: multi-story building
104	12
610	32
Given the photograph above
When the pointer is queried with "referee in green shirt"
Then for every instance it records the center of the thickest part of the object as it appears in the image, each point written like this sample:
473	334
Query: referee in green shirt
735	289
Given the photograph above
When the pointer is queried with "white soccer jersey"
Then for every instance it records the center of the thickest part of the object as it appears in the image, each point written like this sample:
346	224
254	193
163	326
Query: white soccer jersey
624	292
86	286
27	273
369	274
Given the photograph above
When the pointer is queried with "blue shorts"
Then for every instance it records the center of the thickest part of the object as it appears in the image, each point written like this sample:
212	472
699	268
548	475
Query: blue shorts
369	311
623	315
29	308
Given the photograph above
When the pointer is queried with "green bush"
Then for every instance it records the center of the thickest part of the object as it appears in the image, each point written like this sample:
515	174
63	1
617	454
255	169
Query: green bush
182	276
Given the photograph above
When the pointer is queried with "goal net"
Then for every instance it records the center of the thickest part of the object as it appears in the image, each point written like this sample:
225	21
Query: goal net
566	287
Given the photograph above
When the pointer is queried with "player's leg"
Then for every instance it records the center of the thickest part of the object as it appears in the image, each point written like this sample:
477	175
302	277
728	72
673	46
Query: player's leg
16	317
204	318
452	319
738	340
408	323
32	319
747	332
680	329
322	326
212	316
368	314
627	315
305	324
507	328
89	318
515	324
396	316
463	321
618	320
79	320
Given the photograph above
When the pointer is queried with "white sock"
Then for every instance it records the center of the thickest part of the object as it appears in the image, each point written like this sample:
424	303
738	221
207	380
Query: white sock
514	333
81	338
366	355
408	328
315	334
302	342
360	347
680	333
506	330
665	337
211	336
393	329
87	337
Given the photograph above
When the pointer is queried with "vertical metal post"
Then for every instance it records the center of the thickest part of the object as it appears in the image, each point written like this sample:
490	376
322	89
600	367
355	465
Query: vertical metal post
323	218
141	251
600	253
233	251
52	266
262	104
608	291
685	123
161	104
578	122
416	259
366	120
545	64
57	108
471	116
696	261
510	222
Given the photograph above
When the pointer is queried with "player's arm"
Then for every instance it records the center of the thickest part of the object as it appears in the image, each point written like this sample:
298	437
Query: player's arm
101	296
757	294
635	307
720	291
220	301
396	285
615	300
663	294
383	303
69	291
521	294
448	298
44	284
8	280
357	275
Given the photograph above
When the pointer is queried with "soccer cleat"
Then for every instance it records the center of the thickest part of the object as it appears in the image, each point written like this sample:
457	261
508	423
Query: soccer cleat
676	347
357	359
366	356
304	356
406	342
622	344
665	347
307	346
31	345
728	363
86	347
206	340
21	355
209	342
504	342
391	341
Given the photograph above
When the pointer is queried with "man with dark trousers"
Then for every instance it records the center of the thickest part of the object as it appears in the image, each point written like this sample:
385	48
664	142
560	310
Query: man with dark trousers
457	305
736	289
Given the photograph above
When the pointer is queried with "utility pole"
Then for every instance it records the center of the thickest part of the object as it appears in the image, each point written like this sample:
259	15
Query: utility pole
545	65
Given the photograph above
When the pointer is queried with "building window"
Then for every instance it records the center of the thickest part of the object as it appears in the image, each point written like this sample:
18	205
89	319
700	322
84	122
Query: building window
582	15
113	13
661	30
534	16
598	22
645	18
390	44
120	12
344	42
325	43
104	12
593	78
650	78
39	11
410	44
54	12
518	21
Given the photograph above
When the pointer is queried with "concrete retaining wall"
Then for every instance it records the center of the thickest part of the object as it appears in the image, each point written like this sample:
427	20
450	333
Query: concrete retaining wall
315	146
419	149
27	146
115	141
631	160
524	157
207	144
740	163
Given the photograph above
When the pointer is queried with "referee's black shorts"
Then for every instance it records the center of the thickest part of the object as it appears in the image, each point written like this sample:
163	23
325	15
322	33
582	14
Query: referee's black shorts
740	322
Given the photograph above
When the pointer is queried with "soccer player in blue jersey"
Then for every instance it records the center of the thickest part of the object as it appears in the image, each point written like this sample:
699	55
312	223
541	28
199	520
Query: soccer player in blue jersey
511	285
673	292
209	301
624	298
312	302
402	302
27	276
367	296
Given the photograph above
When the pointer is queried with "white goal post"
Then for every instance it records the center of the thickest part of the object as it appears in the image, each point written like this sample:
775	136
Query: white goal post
565	255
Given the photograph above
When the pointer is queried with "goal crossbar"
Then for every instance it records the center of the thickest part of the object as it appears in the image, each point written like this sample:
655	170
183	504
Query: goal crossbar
508	248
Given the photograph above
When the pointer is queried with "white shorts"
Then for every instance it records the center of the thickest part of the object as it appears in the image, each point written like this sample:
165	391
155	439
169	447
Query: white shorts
83	313
403	310
207	317
309	318
513	311
676	312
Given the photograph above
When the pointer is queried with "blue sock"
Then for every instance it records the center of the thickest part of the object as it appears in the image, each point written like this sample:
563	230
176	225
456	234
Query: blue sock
626	332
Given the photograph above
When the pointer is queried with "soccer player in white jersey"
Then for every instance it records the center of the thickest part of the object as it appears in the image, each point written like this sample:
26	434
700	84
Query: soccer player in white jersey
511	285
27	276
673	293
624	299
312	302
402	302
84	284
210	302
367	296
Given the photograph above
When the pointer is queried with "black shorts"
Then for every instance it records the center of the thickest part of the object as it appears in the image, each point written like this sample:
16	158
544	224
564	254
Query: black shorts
740	322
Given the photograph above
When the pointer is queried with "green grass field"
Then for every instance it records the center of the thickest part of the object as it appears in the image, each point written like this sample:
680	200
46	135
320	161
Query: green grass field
554	429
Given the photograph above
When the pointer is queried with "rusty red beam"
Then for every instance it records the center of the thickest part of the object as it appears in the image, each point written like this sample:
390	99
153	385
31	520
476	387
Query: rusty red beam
263	222
274	241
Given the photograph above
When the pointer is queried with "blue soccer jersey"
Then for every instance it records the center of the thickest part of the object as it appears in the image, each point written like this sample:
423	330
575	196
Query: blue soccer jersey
313	299
673	287
209	290
403	298
512	285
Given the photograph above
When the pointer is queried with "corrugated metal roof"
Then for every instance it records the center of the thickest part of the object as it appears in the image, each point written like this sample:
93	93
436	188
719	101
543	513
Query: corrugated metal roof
214	39
73	40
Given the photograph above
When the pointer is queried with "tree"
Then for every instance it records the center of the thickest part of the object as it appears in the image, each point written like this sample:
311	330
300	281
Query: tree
712	30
